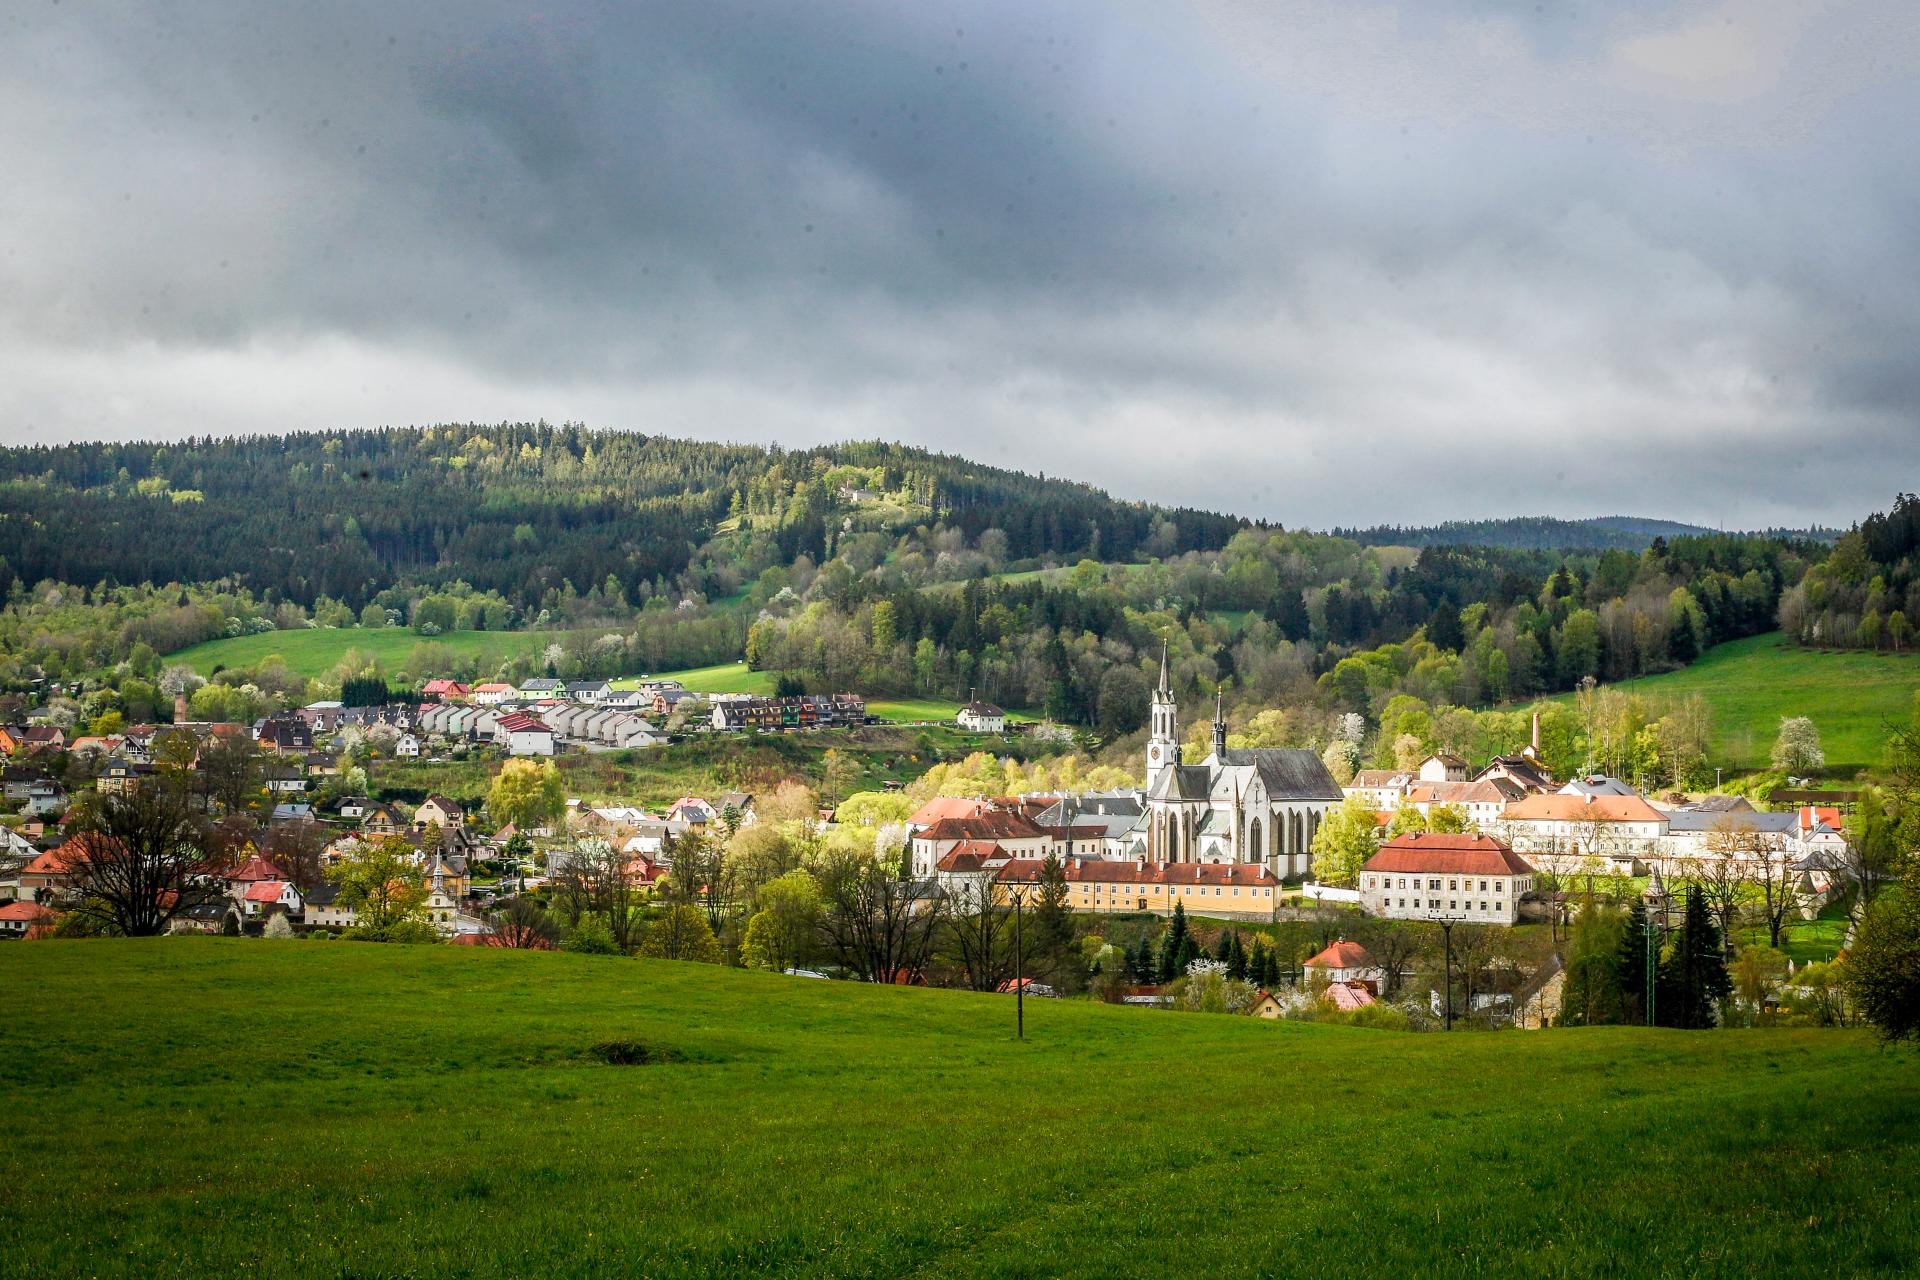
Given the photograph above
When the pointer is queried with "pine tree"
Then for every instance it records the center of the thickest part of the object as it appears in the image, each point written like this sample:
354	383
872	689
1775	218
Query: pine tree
1223	949
1173	946
1237	959
1693	976
1257	962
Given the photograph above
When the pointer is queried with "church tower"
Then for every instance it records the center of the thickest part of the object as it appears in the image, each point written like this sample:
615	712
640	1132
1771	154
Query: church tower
1163	741
1219	728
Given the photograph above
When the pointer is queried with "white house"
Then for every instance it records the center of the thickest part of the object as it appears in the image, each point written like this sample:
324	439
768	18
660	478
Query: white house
982	717
1470	878
407	747
1585	832
526	736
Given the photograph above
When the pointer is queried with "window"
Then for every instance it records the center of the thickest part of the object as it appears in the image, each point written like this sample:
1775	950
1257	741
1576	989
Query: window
1453	904
1433	884
1452	884
1483	906
1483	886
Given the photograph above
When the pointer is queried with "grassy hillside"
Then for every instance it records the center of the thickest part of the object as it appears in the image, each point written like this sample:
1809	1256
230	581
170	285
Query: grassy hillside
212	1106
314	652
1752	683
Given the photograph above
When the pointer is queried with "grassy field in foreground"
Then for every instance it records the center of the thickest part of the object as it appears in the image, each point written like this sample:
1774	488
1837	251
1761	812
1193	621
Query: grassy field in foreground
314	652
212	1106
1751	683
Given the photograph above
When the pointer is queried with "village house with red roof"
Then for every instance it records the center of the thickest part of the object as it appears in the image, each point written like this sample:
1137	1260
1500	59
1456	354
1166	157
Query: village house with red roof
1473	878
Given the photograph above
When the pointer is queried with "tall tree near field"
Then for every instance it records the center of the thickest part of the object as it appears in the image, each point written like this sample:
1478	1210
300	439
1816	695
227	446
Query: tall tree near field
1592	993
1175	944
1883	965
682	933
1693	977
380	883
135	859
1797	746
527	793
1344	842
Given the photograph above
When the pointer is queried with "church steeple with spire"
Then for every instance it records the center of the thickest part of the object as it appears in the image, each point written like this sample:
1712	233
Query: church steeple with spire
1163	741
1219	727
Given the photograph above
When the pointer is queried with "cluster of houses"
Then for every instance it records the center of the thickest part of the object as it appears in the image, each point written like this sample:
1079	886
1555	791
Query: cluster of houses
1222	836
1601	825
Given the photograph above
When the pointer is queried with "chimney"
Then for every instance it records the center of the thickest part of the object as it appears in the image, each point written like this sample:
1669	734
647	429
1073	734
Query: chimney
1536	733
179	708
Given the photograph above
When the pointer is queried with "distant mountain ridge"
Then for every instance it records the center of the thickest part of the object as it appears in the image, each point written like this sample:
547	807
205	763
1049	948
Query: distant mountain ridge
1550	533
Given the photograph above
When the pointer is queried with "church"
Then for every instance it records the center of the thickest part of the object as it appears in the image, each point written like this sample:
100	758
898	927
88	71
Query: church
1250	804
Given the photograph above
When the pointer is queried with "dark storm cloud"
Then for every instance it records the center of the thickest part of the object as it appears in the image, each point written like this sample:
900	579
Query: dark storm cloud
1320	263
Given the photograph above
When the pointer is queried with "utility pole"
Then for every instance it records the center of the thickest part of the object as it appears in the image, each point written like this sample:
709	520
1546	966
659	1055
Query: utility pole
1652	956
1019	971
1446	929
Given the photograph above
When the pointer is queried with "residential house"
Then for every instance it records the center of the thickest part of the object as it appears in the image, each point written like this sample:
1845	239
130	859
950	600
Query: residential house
407	747
493	693
264	898
1425	876
1484	802
1013	832
1380	788
122	777
325	716
18	919
525	735
982	717
323	909
541	687
1344	961
445	690
1444	767
45	797
1594	831
591	692
440	811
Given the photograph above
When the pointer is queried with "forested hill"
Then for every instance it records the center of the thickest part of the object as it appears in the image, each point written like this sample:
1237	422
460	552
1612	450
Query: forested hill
1548	533
517	509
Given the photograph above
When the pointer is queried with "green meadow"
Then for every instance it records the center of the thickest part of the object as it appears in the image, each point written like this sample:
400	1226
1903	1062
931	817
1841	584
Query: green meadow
195	1107
1750	684
315	651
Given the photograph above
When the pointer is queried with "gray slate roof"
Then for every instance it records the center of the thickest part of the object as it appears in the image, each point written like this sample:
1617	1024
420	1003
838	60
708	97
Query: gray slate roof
1188	782
1289	773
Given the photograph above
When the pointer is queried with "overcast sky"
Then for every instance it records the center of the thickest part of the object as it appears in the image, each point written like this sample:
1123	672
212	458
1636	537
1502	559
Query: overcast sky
1327	264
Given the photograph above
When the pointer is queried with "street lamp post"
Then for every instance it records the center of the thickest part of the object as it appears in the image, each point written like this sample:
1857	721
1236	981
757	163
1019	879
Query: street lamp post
1446	981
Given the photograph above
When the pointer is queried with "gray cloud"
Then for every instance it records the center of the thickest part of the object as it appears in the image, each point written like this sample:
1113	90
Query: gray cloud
1320	263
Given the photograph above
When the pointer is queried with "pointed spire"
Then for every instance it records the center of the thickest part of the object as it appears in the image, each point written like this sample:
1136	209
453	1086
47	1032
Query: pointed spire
1164	686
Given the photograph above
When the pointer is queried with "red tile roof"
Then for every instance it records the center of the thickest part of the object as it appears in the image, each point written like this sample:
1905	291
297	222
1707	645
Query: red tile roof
971	855
1465	855
1343	955
32	912
266	890
256	868
991	824
1561	808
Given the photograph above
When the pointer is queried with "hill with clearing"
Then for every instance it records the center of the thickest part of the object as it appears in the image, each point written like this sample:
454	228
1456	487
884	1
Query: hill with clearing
212	1106
315	651
1852	696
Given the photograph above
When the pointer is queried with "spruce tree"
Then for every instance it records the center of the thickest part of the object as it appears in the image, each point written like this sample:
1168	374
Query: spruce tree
1693	977
1257	962
1237	959
1223	949
1175	944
